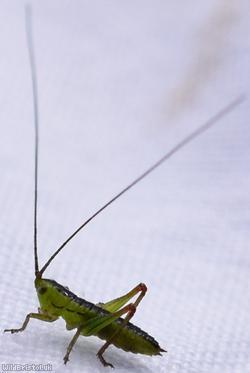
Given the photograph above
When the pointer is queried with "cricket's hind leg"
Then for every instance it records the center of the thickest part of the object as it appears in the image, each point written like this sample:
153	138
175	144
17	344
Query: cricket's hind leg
40	316
130	310
117	303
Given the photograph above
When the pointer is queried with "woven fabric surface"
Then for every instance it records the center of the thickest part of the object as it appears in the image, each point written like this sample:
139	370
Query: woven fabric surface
120	83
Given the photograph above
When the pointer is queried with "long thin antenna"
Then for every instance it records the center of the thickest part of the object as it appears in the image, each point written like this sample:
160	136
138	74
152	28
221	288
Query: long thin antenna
175	149
28	22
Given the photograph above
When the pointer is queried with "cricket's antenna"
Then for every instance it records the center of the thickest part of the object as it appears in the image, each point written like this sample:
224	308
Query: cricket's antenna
175	149
28	22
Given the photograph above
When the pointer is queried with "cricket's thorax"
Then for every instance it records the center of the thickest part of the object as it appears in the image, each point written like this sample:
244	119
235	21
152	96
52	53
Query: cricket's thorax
58	301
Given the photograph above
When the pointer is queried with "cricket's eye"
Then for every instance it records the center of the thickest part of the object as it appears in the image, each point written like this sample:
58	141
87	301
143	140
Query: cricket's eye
42	290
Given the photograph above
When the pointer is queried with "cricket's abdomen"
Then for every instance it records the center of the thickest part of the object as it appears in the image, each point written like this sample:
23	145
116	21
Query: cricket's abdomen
58	301
131	338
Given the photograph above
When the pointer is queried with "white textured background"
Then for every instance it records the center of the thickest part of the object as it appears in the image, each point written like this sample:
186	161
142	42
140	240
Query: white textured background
120	82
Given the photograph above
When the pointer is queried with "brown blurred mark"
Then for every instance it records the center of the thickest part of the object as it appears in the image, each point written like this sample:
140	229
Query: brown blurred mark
213	41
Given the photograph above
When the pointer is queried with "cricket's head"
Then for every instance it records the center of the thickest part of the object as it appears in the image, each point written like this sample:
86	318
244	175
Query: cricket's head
43	291
49	292
41	286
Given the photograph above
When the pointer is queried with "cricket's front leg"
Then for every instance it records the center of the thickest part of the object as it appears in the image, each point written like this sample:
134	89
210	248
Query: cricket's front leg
40	316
